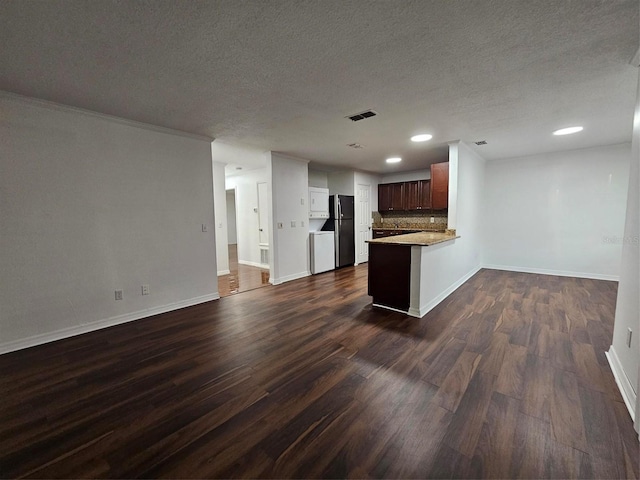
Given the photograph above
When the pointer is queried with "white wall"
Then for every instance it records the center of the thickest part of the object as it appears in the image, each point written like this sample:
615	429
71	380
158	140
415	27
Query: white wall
423	174
246	186
341	183
234	156
318	178
90	204
458	260
220	212
561	213
232	234
624	360
289	194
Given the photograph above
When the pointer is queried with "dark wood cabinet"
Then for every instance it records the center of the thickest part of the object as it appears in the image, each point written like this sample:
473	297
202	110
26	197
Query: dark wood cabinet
424	194
417	195
397	196
380	233
412	190
384	197
405	196
390	275
391	197
440	186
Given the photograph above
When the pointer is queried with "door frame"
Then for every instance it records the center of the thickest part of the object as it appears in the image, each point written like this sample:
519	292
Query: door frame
367	219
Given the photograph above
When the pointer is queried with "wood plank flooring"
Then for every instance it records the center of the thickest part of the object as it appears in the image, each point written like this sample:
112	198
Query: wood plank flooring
241	278
504	379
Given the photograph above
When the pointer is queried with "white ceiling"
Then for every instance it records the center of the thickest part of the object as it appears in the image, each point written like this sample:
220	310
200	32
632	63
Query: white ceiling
282	74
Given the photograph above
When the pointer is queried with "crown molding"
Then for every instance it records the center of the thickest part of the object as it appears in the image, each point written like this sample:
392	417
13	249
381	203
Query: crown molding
111	118
290	157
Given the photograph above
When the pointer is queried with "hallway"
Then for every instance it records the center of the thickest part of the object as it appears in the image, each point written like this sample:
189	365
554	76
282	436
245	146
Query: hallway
242	277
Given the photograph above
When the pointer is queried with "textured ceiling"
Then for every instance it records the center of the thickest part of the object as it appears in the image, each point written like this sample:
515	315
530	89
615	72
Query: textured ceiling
282	74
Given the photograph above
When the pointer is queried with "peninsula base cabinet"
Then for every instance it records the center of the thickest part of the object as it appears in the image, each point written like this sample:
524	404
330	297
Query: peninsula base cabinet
390	262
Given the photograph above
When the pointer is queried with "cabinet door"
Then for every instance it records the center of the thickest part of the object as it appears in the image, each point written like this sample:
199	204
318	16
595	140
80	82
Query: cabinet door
424	194
440	186
412	195
384	197
397	196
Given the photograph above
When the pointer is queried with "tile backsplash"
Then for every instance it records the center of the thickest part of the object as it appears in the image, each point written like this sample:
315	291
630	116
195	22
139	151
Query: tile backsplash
417	220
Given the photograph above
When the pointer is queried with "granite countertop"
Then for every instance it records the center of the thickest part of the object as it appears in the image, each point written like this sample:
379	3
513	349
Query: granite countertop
424	239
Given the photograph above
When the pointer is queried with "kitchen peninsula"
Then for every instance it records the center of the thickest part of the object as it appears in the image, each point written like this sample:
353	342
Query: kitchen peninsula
399	268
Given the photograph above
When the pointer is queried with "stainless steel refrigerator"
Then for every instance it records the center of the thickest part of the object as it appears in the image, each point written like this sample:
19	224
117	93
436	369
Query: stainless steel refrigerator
341	221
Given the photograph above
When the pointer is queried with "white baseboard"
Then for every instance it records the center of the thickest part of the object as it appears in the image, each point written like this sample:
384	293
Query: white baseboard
253	264
424	309
377	305
99	324
223	272
289	278
624	385
559	273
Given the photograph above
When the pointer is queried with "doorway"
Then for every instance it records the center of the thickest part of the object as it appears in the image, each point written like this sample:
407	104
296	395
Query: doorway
363	209
244	275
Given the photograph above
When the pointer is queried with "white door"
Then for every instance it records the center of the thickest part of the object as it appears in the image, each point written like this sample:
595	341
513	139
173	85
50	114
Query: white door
263	214
363	195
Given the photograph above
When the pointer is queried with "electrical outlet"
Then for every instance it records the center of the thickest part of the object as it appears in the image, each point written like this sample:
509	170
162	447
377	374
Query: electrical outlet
302	223
302	201
629	334
145	289
118	294
205	227
293	224
432	220
279	224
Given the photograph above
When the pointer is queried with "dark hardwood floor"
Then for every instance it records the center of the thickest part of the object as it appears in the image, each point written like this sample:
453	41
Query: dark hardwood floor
506	378
241	278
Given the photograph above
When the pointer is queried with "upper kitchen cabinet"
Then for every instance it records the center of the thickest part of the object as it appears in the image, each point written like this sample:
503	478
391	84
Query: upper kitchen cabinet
417	195
391	197
440	186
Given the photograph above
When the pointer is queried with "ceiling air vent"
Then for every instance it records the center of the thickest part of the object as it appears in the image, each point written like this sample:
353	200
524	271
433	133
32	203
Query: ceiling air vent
481	142
354	145
361	116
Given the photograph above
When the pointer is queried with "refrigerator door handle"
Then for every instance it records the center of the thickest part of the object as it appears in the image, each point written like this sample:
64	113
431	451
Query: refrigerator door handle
336	235
339	209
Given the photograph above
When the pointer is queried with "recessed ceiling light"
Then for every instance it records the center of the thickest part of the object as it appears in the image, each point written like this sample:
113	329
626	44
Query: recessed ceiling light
394	160
423	137
568	131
